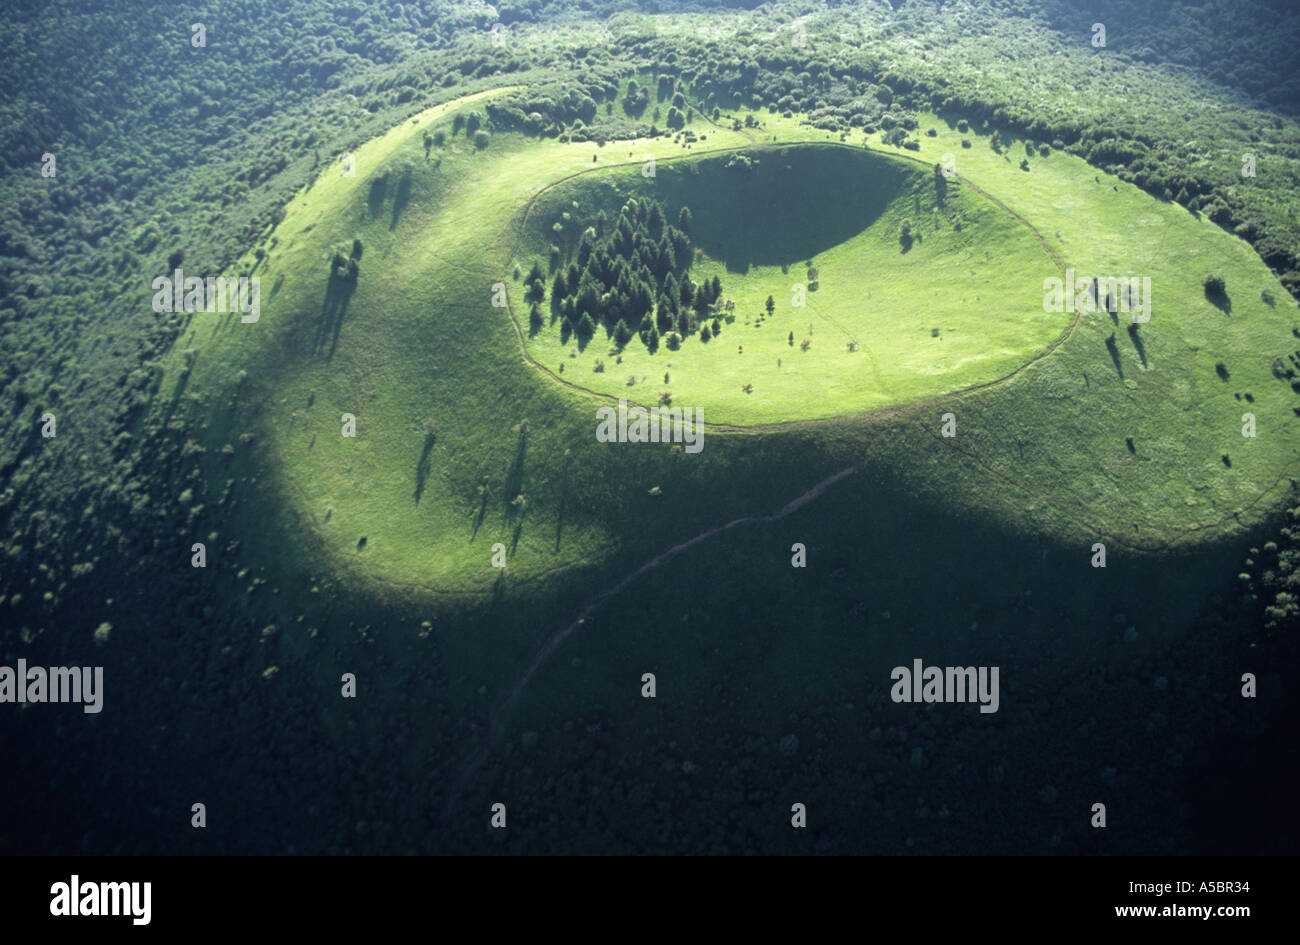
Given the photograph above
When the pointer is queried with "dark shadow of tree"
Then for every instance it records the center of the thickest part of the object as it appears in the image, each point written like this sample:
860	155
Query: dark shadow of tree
484	493
338	293
1220	300
515	475
400	199
422	467
376	196
1114	355
1137	343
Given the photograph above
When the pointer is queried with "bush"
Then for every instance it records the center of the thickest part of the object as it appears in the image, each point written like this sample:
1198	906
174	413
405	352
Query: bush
481	139
1214	285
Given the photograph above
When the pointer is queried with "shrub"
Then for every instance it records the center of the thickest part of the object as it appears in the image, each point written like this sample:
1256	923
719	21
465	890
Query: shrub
1214	285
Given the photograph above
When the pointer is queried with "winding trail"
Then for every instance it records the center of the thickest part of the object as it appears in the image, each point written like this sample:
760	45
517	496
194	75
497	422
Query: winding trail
480	754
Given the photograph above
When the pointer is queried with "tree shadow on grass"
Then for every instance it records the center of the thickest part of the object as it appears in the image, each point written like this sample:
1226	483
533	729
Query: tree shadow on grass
1137	342
422	467
338	293
484	493
376	196
401	197
1220	300
1114	355
515	475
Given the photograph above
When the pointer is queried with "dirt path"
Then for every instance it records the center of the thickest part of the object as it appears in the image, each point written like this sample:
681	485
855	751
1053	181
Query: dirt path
480	754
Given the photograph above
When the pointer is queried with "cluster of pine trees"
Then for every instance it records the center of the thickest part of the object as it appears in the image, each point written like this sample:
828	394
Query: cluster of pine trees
631	278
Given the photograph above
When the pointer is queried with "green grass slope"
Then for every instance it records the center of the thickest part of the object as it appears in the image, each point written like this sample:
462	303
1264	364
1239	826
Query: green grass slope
1042	451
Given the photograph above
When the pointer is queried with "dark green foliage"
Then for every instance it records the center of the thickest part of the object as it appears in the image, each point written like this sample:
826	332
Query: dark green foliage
633	270
343	267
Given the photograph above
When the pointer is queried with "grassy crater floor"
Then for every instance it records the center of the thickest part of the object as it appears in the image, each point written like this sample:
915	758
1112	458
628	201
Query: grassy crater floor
889	319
